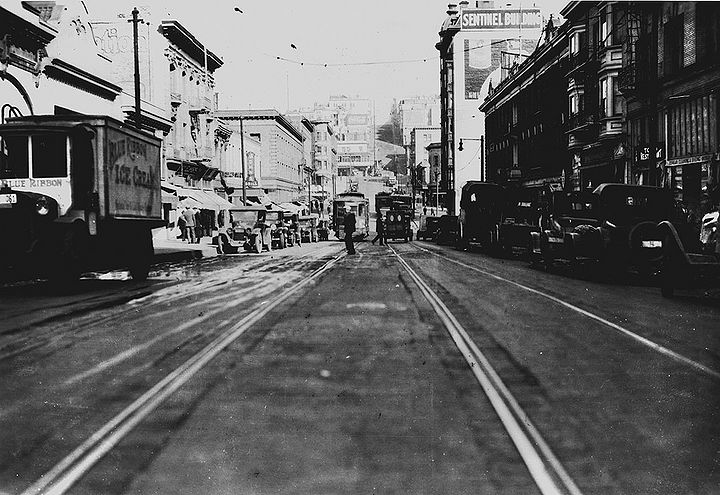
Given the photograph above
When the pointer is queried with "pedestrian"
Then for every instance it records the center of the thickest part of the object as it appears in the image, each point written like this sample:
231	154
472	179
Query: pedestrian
181	225
424	210
380	229
349	229
189	217
198	225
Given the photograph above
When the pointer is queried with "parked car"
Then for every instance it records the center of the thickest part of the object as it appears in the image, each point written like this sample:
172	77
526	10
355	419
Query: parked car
623	232
564	212
448	230
242	228
481	206
428	227
519	219
308	228
681	268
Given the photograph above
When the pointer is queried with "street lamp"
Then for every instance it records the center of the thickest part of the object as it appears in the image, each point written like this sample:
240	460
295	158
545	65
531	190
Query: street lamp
482	152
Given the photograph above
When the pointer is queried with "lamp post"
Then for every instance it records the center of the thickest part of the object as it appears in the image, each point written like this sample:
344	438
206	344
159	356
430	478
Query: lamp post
482	153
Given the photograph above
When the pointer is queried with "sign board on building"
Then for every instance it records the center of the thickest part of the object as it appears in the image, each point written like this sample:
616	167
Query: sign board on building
473	19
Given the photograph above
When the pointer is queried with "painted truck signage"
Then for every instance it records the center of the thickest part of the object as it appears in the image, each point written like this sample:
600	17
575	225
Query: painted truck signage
133	176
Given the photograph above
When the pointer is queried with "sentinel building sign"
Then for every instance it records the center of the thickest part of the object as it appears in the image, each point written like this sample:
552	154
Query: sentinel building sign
500	19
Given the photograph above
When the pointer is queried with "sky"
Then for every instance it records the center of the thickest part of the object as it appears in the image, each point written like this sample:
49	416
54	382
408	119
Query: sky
377	49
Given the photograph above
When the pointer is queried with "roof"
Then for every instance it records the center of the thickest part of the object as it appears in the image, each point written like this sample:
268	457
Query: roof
268	114
182	38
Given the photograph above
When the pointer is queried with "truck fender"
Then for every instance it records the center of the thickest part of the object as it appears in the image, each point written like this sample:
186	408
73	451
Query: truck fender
535	242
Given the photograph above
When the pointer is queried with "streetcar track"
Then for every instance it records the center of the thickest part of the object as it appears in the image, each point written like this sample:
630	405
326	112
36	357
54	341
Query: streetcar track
546	470
675	356
76	464
268	287
50	333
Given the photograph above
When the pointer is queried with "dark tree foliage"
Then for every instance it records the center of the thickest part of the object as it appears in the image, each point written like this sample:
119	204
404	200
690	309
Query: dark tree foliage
391	131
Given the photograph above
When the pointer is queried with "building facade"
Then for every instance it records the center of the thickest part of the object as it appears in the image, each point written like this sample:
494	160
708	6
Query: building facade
325	160
280	172
526	117
596	138
49	63
476	42
671	80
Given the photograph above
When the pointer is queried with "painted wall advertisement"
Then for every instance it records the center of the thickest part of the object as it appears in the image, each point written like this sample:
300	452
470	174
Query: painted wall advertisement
485	42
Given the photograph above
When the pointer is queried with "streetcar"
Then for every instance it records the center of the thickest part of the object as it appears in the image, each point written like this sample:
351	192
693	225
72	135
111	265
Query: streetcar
360	206
385	201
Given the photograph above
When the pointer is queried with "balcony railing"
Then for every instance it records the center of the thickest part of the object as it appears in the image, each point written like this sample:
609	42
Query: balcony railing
175	98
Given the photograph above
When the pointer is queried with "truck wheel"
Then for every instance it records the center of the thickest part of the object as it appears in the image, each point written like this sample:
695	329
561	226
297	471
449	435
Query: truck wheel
258	243
141	256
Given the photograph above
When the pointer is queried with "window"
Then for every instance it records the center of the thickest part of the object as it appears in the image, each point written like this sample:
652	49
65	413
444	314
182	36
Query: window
49	156
605	28
574	104
617	97
674	43
575	43
14	157
604	101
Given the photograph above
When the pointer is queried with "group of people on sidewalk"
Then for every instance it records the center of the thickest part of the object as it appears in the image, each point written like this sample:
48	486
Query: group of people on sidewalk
190	224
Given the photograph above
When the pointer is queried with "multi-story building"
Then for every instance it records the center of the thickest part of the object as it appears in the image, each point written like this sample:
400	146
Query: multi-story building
418	111
417	155
325	160
525	118
280	170
596	33
307	129
431	176
178	103
671	79
355	134
49	63
475	43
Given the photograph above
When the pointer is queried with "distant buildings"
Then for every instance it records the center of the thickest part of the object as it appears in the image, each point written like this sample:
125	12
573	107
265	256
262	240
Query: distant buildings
280	172
476	44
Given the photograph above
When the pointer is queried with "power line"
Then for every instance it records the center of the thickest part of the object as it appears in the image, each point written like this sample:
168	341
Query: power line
382	62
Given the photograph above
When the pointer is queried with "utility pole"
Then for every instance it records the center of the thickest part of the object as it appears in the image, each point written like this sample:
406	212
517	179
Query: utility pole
242	160
135	21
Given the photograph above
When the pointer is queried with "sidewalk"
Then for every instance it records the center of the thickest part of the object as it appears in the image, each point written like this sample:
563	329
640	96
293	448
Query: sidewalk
175	250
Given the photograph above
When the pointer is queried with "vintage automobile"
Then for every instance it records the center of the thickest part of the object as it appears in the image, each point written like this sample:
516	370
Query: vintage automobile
275	236
481	206
564	212
519	219
241	228
428	227
682	269
623	233
448	230
308	228
323	230
397	225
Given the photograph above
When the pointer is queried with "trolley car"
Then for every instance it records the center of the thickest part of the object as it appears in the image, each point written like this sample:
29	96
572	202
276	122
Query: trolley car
359	205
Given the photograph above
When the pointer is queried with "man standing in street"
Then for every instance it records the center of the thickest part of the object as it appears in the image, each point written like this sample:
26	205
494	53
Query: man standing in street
380	228
349	229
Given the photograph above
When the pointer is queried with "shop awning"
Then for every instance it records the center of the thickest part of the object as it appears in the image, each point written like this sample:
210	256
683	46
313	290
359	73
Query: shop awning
208	199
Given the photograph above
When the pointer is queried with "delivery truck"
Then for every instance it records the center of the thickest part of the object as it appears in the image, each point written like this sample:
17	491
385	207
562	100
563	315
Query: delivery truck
77	193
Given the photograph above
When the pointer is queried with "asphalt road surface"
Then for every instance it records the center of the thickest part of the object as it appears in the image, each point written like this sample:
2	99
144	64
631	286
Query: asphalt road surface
412	368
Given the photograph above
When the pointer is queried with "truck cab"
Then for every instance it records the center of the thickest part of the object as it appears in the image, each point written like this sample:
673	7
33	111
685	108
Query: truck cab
77	193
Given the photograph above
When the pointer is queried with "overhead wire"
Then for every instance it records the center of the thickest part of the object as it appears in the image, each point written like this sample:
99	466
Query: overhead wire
379	62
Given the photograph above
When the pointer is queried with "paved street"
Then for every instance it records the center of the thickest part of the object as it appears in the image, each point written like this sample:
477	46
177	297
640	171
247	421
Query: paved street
412	368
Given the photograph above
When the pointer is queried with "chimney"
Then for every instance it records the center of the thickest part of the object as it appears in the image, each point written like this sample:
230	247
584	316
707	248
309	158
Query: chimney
452	9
